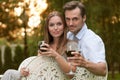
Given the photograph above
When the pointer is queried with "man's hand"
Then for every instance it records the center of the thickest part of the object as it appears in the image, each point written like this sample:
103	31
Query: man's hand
77	60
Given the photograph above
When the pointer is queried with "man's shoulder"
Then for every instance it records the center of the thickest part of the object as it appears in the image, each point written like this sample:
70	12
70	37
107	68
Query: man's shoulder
92	39
91	36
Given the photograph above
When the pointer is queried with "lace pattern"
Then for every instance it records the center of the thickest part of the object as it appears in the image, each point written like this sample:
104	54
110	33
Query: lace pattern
84	74
45	68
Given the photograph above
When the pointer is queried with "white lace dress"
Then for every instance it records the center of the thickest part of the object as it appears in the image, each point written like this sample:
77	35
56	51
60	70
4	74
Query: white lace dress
84	74
43	68
46	68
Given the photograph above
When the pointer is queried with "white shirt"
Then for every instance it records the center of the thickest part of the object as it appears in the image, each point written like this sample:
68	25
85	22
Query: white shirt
90	43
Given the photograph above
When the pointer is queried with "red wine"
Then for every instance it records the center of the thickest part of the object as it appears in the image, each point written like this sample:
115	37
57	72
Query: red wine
41	46
69	53
42	49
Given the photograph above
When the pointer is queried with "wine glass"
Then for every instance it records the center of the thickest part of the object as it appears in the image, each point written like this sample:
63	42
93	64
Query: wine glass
40	45
72	46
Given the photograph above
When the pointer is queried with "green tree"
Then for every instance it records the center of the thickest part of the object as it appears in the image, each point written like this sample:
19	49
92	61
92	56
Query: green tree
0	61
19	56
8	63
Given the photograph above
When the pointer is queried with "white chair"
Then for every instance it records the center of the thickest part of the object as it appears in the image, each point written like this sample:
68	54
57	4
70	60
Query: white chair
42	68
1	76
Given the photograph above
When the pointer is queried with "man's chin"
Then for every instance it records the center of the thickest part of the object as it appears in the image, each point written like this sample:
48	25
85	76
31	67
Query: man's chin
72	31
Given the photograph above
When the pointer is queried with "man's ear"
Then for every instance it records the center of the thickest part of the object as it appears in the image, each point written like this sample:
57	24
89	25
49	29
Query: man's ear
84	18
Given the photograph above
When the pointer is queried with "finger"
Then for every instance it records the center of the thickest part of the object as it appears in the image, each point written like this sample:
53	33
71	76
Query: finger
46	53
75	61
23	68
43	48
26	73
49	52
75	64
76	53
75	58
47	45
49	55
78	62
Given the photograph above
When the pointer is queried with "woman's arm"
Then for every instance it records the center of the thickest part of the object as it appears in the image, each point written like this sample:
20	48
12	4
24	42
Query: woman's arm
64	65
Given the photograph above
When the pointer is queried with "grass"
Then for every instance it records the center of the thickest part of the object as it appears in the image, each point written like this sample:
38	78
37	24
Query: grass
117	76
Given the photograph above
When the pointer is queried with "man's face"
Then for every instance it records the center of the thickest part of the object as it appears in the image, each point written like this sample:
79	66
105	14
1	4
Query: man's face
74	20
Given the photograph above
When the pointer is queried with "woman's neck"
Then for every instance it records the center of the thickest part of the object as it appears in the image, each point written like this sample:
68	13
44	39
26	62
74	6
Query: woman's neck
54	44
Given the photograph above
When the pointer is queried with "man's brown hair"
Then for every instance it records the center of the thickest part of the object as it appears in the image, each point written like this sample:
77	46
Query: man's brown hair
73	4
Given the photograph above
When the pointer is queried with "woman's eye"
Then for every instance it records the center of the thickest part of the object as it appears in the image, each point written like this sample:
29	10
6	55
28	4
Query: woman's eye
59	23
51	24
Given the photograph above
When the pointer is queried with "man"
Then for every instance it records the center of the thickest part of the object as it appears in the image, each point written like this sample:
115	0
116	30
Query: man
92	56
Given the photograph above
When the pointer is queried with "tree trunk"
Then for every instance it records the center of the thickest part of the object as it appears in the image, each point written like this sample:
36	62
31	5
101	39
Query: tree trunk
113	71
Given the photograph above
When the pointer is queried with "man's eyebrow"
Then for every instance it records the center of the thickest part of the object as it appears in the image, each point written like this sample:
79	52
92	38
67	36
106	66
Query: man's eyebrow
71	18
67	18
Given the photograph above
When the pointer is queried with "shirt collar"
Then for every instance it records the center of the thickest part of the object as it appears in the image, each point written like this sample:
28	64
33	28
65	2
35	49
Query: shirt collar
81	33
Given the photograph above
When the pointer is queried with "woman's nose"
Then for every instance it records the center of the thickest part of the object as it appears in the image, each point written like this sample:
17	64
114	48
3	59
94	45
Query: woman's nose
55	27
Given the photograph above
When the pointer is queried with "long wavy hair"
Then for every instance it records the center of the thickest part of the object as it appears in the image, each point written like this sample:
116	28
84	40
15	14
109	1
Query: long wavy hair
63	38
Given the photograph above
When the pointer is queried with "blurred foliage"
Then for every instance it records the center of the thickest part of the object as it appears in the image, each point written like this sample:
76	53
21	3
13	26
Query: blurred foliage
117	77
0	61
8	22
3	41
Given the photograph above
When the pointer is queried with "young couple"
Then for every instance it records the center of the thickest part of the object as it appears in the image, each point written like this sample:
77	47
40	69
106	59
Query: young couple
87	66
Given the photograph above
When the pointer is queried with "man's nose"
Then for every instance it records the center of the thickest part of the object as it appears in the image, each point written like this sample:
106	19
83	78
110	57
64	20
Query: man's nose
71	22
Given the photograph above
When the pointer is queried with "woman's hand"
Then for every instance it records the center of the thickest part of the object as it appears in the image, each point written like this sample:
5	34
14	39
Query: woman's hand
24	72
48	51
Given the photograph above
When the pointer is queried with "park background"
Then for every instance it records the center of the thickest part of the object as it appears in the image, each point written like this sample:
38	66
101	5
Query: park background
22	23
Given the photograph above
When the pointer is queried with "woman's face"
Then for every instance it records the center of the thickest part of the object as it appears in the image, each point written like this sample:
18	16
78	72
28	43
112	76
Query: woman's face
55	26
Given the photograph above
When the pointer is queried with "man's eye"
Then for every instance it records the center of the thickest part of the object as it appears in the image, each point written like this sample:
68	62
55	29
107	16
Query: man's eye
67	19
75	19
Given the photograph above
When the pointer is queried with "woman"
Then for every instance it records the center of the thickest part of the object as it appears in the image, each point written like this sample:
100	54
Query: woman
49	65
55	65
